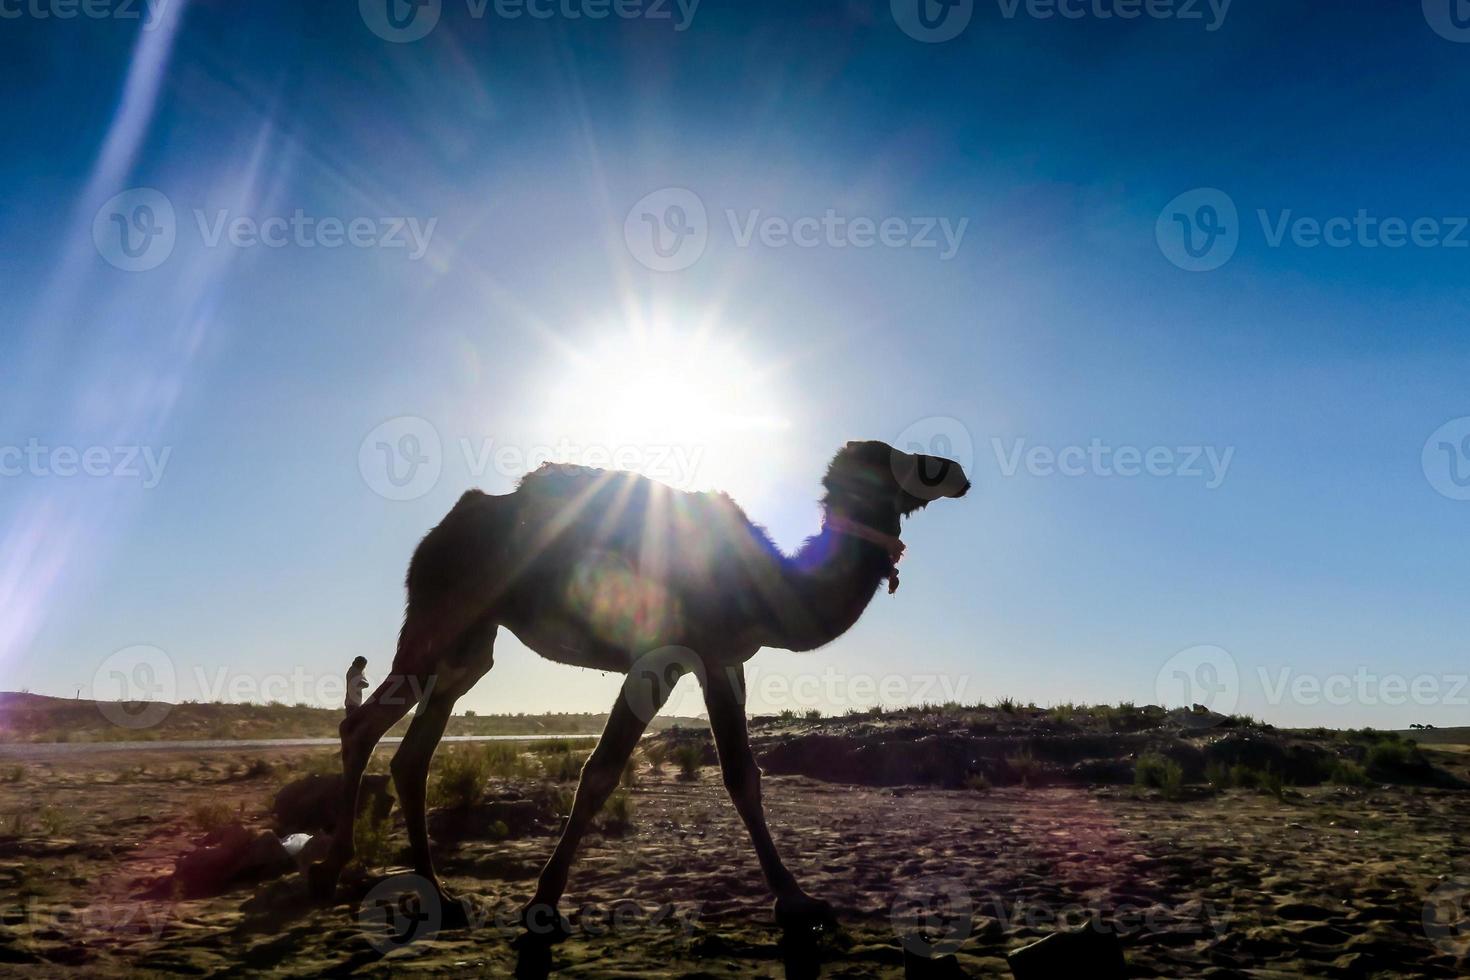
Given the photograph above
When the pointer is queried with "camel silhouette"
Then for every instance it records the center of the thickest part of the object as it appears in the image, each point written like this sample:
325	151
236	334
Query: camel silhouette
613	571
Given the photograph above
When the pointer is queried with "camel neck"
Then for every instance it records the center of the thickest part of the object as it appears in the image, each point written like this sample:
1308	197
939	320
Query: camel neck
826	586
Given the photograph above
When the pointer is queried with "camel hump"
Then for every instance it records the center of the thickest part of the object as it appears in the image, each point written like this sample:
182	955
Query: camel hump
557	479
469	498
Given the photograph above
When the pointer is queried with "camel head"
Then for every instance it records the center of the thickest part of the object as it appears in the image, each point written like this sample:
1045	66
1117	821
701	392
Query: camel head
876	484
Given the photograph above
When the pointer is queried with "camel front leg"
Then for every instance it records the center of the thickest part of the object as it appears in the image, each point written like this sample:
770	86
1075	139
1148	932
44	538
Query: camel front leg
600	776
724	698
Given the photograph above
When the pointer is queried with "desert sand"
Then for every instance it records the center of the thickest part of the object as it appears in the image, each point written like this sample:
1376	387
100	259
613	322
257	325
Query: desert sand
1318	881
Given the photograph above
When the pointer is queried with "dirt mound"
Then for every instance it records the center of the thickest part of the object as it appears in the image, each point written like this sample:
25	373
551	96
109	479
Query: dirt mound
509	815
309	804
956	747
225	859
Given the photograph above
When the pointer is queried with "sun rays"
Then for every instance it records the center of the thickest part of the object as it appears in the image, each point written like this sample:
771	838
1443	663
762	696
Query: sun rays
637	393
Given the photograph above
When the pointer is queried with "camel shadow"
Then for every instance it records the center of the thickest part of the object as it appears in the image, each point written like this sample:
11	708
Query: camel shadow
801	952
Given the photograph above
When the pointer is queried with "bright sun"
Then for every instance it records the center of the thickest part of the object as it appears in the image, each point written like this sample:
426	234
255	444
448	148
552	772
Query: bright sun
645	392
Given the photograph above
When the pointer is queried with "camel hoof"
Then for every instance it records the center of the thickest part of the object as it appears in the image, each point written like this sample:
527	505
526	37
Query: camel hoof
321	882
804	915
454	912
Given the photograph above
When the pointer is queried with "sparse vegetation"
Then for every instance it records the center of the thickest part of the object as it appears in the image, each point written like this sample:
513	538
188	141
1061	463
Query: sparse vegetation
553	746
617	814
212	816
689	757
1064	714
1156	771
1345	773
371	840
1391	755
37	718
54	821
1266	780
458	781
976	782
13	774
1024	767
563	768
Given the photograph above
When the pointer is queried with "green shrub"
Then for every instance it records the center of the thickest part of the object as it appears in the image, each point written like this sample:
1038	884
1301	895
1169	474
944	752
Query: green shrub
1155	771
212	816
1345	773
563	768
371	839
505	760
1024	767
1217	774
976	782
13	774
1064	714
552	746
458	781
55	821
1390	756
689	757
617	814
1266	780
813	714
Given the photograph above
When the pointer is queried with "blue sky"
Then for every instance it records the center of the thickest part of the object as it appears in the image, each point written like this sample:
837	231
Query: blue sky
519	148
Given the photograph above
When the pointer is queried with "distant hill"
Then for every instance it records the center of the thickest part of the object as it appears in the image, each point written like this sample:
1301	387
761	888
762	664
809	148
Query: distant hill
1438	736
38	718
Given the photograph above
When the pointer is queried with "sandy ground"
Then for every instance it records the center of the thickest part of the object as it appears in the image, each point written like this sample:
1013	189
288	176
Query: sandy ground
1329	882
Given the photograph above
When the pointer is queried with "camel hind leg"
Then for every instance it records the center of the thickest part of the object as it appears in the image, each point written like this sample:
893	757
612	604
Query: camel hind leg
360	733
410	765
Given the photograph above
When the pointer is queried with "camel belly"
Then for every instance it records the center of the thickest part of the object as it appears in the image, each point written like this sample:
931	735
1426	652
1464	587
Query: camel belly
607	609
568	643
